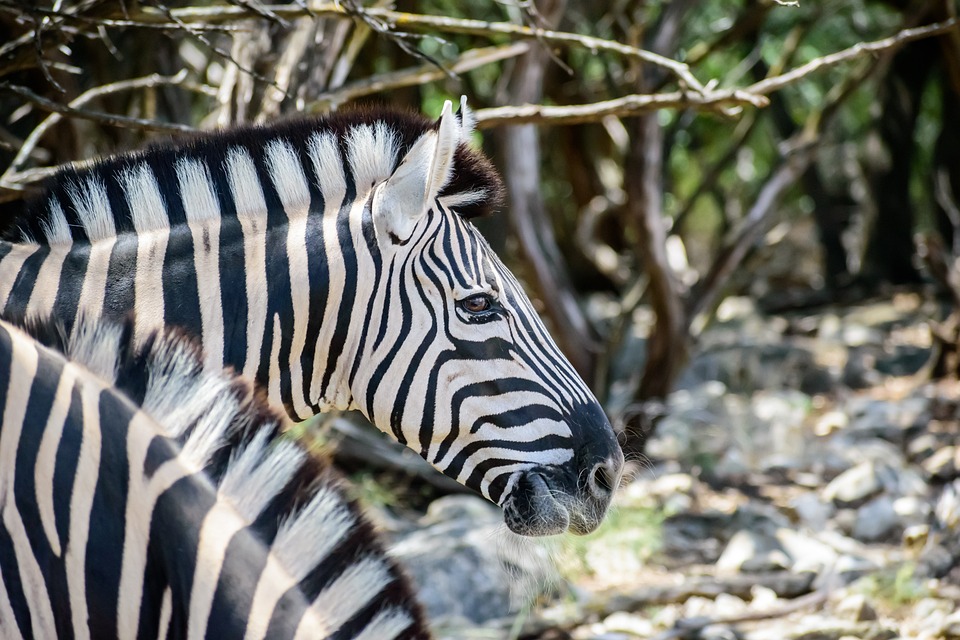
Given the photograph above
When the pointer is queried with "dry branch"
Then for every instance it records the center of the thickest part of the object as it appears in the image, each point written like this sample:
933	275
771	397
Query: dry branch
421	23
769	85
14	178
631	105
753	95
749	232
90	114
417	75
786	585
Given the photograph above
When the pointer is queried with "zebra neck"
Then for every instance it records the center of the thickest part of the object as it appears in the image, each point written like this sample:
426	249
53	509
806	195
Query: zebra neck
270	296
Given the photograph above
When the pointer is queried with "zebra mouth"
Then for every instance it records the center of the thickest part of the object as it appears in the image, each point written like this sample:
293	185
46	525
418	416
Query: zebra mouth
533	508
539	505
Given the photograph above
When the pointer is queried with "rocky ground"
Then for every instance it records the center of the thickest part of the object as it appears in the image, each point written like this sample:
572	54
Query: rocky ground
803	484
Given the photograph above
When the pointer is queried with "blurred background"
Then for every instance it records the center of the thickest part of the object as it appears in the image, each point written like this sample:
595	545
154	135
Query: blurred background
741	221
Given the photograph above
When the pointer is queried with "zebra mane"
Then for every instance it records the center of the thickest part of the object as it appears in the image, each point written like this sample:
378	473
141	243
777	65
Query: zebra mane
295	501
371	141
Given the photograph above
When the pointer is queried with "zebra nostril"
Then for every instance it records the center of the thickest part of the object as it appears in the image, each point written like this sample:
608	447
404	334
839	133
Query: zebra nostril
603	480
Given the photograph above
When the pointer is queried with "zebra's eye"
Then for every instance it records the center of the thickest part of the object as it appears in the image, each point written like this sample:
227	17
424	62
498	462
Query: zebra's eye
477	304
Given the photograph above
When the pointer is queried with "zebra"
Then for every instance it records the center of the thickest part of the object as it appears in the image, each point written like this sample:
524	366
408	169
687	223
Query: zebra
145	495
334	261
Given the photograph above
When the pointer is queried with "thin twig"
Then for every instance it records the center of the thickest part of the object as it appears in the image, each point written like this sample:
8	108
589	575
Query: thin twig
261	11
417	75
769	85
689	626
630	105
754	94
13	177
422	22
202	38
87	114
400	38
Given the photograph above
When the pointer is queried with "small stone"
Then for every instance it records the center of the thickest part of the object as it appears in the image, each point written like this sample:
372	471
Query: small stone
854	485
930	607
728	604
717	632
831	421
875	520
808	553
910	482
922	446
852	567
811	510
762	597
856	608
624	622
912	510
830	327
857	335
667	616
860	372
943	464
844	520
951	627
915	537
752	552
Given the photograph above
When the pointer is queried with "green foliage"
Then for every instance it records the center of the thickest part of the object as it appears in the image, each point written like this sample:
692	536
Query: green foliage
631	533
894	588
365	487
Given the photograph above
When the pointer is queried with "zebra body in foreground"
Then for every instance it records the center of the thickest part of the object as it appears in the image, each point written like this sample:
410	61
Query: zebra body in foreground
333	261
145	496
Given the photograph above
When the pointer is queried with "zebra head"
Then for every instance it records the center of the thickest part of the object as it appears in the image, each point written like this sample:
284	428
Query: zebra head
456	362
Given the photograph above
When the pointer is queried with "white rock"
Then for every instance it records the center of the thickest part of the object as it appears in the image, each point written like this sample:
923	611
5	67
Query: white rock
806	552
831	421
752	552
856	608
912	510
626	622
854	565
853	485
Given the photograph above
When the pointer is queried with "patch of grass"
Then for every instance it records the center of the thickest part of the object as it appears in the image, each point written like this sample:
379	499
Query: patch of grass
365	487
894	588
628	537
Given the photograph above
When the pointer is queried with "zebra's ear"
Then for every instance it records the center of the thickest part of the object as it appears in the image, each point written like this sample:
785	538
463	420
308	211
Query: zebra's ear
408	194
468	121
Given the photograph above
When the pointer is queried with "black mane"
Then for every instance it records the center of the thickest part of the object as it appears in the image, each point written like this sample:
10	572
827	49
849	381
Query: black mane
473	172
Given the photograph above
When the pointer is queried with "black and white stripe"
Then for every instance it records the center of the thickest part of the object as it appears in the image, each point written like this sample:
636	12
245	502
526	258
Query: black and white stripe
333	261
144	496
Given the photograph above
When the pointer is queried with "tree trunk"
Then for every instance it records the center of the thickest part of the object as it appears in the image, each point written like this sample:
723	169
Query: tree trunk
520	150
668	346
890	248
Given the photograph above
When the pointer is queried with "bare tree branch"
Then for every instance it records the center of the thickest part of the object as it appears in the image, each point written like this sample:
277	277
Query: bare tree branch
12	178
631	105
422	22
751	228
417	75
895	41
88	114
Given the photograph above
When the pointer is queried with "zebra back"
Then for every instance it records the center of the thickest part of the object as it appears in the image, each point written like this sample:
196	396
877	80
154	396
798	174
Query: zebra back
144	495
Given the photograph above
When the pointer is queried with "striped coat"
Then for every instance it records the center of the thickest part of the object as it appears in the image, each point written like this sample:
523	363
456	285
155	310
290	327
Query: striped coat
144	495
333	260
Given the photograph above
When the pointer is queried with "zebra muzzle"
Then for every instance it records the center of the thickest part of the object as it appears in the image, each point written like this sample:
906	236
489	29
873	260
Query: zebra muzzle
533	507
